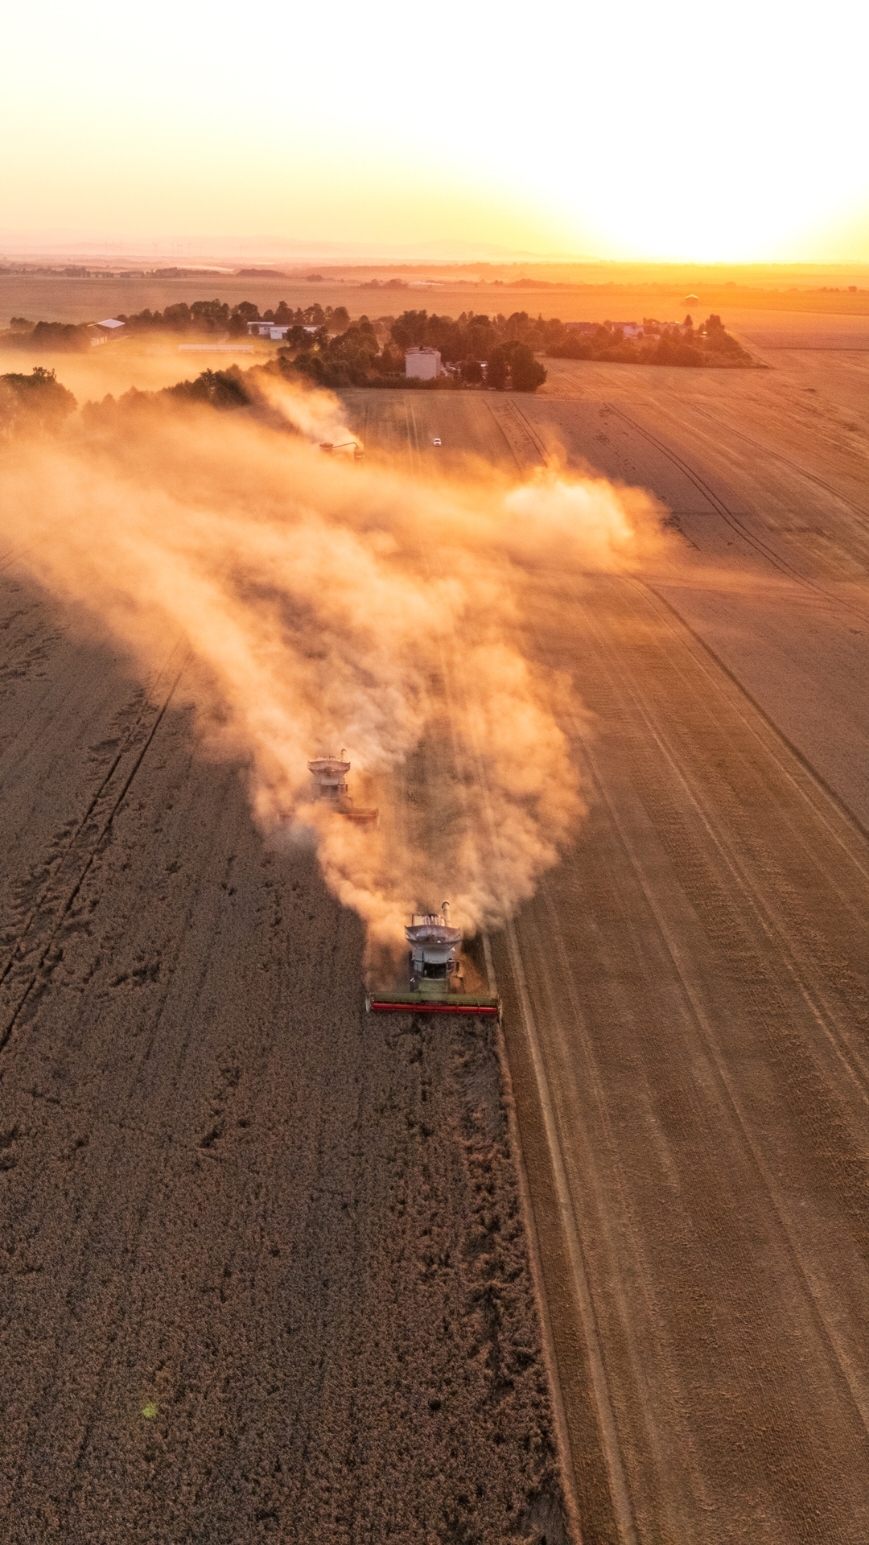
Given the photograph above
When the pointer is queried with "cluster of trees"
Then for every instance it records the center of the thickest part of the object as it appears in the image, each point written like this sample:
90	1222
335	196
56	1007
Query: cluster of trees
369	354
354	357
474	337
213	316
218	388
715	339
709	344
511	364
37	401
68	337
225	390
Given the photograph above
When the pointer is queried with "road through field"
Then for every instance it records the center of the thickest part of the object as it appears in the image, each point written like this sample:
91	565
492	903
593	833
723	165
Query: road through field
688	997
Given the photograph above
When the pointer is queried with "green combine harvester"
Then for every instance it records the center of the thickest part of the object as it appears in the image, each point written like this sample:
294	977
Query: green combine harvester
434	974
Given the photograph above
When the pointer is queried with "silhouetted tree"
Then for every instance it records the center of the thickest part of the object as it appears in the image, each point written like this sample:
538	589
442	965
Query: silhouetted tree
526	372
37	401
219	388
60	335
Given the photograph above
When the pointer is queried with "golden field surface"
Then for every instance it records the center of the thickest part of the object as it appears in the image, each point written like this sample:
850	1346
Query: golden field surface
606	1279
688	992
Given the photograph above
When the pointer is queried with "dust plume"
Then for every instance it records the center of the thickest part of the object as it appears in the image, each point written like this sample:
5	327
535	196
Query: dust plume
318	605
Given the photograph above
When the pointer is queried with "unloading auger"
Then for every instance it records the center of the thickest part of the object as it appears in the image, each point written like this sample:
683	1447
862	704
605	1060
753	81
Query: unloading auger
435	978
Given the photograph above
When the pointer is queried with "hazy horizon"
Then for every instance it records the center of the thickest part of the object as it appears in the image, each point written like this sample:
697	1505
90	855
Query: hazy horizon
607	135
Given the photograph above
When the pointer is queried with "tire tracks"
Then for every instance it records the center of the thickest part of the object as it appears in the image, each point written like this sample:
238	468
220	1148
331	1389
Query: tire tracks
738	526
80	864
810	477
839	1355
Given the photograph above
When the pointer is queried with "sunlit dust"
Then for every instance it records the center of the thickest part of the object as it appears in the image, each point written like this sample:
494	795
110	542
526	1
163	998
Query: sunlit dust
304	597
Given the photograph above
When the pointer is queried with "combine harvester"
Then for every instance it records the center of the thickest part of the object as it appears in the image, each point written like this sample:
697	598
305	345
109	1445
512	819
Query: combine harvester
330	785
351	447
435	973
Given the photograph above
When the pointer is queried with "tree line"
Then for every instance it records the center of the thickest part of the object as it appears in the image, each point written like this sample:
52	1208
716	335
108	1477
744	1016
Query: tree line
201	316
658	344
213	316
498	350
35	401
323	345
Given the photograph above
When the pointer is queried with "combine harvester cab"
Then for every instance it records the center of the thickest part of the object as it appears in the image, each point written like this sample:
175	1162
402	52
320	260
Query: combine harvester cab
329	774
435	977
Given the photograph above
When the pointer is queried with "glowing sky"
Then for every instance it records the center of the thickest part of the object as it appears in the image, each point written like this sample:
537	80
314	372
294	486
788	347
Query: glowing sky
619	129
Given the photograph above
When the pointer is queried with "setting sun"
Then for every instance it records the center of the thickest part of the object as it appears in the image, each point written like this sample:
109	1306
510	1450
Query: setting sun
711	134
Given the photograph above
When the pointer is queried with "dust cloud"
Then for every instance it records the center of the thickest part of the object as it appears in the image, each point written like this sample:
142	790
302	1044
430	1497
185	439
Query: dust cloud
316	604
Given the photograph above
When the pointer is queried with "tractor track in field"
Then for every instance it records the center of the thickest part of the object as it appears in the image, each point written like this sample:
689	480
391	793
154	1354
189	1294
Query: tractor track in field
780	947
812	795
764	549
793	466
73	836
686	1022
837	1077
79	854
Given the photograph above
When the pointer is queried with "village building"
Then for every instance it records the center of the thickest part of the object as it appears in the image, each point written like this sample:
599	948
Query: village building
101	332
275	331
422	364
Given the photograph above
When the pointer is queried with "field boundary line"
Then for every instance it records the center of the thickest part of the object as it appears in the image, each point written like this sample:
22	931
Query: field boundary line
768	921
619	1489
507	441
535	436
535	1261
766	550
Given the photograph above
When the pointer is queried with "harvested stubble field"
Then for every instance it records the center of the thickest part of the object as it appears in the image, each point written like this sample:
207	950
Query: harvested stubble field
289	1236
232	1199
688	994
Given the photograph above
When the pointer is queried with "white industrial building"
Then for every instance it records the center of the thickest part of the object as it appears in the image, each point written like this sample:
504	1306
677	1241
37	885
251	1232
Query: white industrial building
422	364
276	331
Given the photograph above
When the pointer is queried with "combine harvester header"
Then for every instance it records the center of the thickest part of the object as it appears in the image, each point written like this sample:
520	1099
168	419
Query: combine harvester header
435	973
